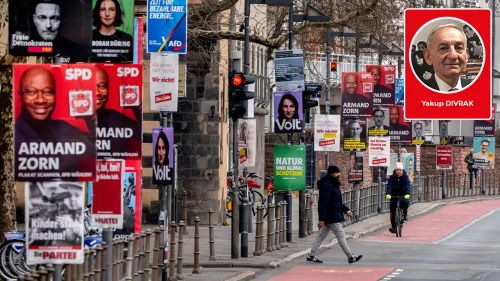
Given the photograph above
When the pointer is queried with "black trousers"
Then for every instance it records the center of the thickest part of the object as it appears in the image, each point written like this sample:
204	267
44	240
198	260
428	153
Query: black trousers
404	204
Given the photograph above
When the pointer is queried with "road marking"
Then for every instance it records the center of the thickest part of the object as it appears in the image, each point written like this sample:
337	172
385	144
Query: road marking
464	227
392	274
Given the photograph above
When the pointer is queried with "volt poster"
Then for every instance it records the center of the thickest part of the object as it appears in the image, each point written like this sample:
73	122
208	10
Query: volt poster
289	167
167	26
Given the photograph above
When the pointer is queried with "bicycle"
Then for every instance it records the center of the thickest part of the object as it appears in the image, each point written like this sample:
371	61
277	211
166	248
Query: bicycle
256	198
398	217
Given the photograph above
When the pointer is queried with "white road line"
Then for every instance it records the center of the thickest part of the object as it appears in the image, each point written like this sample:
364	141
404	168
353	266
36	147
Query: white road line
464	227
399	270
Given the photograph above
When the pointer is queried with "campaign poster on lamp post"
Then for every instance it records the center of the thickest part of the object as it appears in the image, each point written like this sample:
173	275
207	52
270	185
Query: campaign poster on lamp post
379	151
327	133
164	81
247	142
107	200
444	157
289	167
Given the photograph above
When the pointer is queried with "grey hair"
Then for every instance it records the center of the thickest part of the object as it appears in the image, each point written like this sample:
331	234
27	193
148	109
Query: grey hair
435	29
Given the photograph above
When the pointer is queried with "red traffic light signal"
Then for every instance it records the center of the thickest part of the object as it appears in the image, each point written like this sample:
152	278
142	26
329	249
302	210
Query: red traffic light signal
333	66
238	80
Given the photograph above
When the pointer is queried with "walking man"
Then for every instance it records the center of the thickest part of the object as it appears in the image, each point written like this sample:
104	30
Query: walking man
469	159
331	215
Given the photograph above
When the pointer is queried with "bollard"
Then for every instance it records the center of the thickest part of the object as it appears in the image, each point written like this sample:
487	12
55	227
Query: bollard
21	278
28	277
311	217
135	257
43	273
184	210
257	233
50	272
182	225
35	275
86	265
284	223
171	262
128	275
142	248
147	255
156	255
211	235
270	217
277	233
308	198
92	262
196	267
103	261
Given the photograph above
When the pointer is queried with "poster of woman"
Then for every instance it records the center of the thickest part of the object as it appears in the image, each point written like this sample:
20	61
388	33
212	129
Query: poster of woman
288	112
163	155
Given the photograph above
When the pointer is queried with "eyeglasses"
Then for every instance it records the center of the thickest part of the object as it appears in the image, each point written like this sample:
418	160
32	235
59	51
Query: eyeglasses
48	94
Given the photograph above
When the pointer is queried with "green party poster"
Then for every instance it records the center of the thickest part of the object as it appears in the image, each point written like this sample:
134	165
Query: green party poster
289	167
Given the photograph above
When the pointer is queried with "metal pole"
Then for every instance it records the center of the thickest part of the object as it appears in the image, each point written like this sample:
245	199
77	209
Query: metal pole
245	218
327	90
107	236
399	151
444	184
57	272
379	201
165	204
483	181
357	54
302	214
290	27
246	53
235	219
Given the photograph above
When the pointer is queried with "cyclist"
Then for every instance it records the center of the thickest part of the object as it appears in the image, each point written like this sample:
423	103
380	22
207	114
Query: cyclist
331	212
398	185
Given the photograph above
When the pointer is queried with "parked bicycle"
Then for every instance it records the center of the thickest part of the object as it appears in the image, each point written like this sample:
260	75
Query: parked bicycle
255	197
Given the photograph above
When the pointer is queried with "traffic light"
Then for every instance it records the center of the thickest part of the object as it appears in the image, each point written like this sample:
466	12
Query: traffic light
307	103
237	93
333	66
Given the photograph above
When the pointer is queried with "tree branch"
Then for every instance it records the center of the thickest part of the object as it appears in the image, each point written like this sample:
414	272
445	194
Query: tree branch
230	35
209	8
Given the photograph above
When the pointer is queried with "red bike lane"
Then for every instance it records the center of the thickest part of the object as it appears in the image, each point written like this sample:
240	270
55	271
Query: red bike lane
438	225
324	273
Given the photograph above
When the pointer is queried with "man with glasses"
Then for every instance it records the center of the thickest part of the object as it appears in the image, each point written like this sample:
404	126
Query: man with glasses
379	128
482	155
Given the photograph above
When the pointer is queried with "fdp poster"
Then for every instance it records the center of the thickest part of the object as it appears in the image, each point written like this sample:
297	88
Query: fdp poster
289	167
355	172
327	133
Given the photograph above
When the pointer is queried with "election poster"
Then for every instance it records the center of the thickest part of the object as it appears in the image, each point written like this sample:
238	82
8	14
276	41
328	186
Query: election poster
384	80
354	134
327	133
418	136
379	150
408	160
289	70
167	26
443	132
400	92
458	91
138	39
247	141
444	157
484	152
113	31
289	167
54	129
59	29
485	128
355	172
164	82
163	155
288	114
400	129
107	200
54	222
119	111
378	124
357	90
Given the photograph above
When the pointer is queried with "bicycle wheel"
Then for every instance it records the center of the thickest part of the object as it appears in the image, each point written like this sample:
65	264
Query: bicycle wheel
17	259
399	222
6	273
13	266
258	200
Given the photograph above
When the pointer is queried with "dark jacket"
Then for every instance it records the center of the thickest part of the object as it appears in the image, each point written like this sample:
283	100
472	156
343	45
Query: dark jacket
330	206
398	186
470	161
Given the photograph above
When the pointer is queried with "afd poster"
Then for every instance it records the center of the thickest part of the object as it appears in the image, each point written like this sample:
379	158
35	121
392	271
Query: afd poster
327	133
167	26
400	92
289	167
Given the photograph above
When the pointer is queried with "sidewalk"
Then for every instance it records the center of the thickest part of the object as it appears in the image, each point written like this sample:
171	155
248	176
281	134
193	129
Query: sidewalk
225	268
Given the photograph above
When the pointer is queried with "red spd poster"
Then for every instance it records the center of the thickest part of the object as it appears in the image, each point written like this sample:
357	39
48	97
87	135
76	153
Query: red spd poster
384	82
449	73
54	127
107	200
444	157
119	111
357	89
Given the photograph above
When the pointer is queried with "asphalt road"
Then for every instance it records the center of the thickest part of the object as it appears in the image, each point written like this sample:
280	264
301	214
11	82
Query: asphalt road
456	242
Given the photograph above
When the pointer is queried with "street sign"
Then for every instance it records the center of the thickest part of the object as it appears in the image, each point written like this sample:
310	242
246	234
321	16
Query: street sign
167	26
444	157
